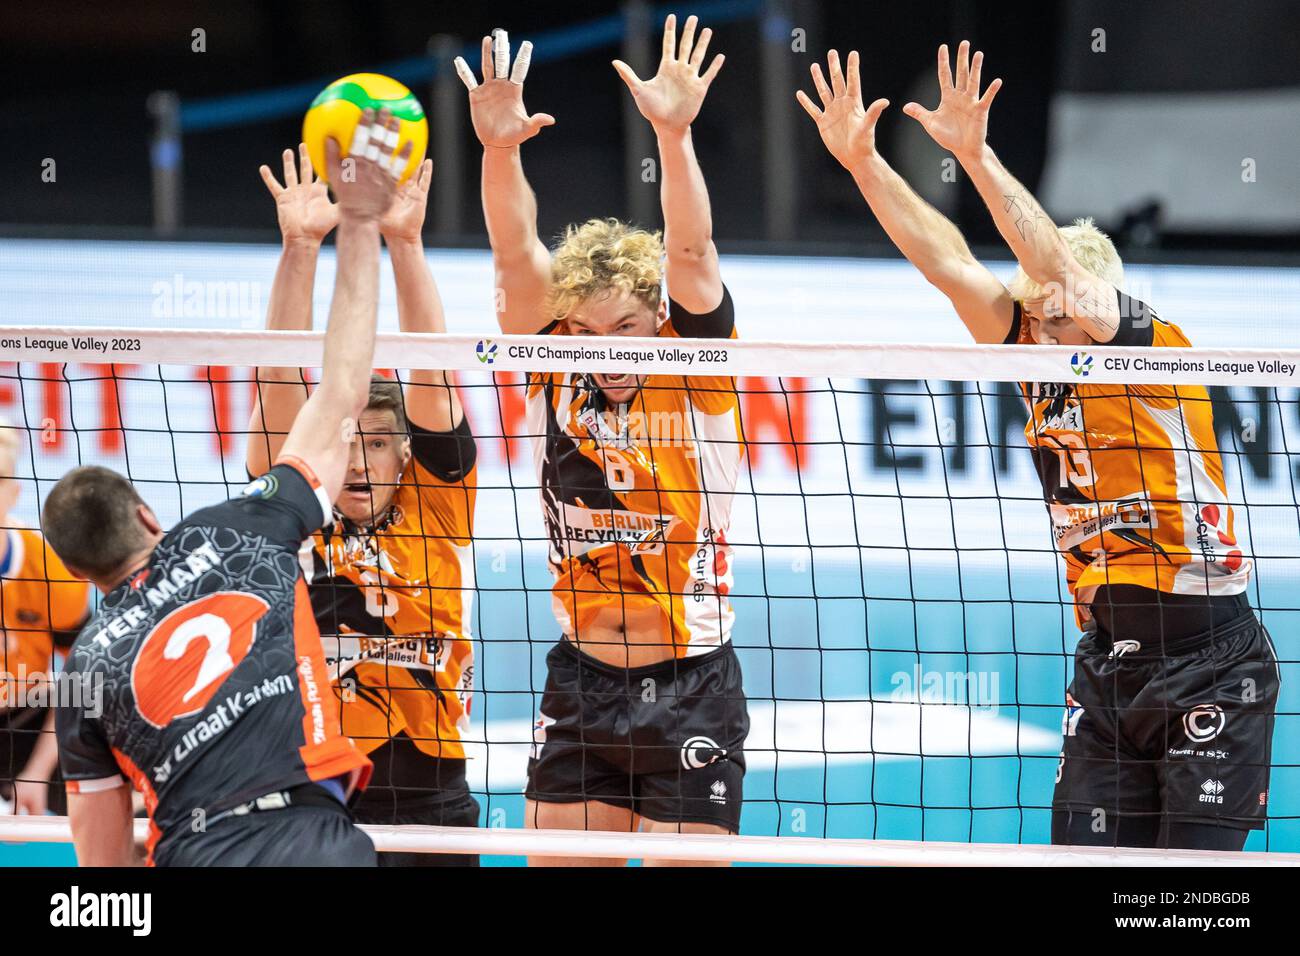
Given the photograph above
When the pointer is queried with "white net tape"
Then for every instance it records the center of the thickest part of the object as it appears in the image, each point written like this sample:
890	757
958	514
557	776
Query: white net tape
522	353
735	849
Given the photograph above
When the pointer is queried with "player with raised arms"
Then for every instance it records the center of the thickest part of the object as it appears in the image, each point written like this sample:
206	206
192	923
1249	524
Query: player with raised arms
1175	679
205	684
636	517
42	607
391	578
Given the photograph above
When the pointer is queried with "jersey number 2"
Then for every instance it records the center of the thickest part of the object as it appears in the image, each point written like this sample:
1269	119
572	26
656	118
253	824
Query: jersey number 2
182	661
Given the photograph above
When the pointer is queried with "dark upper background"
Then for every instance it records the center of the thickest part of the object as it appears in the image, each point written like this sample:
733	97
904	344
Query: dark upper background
77	76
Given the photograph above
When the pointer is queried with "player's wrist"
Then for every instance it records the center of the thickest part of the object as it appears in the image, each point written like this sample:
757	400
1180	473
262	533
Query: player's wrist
669	134
360	221
301	243
398	241
867	168
976	157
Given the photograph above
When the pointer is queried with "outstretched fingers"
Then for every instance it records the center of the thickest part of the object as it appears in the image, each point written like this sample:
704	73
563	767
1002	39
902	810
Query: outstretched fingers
819	84
268	177
670	37
714	67
628	76
688	38
917	112
854	77
945	70
696	59
987	99
287	161
804	100
305	171
976	67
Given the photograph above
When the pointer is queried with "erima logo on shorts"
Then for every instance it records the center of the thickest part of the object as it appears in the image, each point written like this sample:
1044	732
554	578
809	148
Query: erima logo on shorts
264	487
699	752
1204	722
1070	721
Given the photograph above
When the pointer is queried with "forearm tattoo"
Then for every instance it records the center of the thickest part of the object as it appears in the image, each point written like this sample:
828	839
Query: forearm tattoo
1027	212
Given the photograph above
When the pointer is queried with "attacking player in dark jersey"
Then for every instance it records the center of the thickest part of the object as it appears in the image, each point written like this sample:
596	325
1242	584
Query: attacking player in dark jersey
203	679
1169	718
637	475
391	579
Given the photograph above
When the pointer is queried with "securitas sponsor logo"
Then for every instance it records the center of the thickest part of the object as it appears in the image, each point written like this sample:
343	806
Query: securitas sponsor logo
1081	364
1208	520
486	351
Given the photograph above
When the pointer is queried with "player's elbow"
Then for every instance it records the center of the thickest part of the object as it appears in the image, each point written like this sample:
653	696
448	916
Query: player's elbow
1052	269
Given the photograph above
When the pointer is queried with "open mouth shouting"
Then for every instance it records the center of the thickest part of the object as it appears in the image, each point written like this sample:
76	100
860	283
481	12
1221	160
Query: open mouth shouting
618	388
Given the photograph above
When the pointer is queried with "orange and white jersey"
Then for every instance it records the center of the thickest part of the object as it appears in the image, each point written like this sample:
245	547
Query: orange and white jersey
1133	477
637	498
42	606
394	604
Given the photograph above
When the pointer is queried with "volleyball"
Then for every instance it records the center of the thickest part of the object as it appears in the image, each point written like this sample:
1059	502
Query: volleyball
337	109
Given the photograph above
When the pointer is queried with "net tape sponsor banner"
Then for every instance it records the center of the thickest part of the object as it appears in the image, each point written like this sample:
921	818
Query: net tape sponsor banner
670	356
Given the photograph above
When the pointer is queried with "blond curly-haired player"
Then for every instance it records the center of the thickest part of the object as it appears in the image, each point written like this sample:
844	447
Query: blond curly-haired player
643	717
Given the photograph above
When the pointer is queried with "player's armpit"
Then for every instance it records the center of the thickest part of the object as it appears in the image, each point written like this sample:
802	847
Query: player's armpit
102	830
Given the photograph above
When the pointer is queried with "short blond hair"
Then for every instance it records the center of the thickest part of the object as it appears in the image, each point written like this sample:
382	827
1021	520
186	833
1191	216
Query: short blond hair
1090	247
602	255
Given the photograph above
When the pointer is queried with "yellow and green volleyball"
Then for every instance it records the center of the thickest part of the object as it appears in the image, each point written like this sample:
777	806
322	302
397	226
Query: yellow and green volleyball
336	111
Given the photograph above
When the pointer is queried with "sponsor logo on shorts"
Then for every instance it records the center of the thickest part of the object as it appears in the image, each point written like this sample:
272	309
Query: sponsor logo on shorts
718	792
1193	752
539	731
1211	791
699	752
1204	722
1073	714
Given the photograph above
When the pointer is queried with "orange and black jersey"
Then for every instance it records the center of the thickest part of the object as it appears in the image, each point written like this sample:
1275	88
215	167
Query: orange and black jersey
1133	477
637	499
394	602
42	606
202	676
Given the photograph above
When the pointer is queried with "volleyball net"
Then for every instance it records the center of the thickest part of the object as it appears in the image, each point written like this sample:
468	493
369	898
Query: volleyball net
901	614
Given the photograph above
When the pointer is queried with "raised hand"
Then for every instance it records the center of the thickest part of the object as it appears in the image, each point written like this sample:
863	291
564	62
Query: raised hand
404	219
961	121
302	204
848	130
496	107
366	181
672	98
